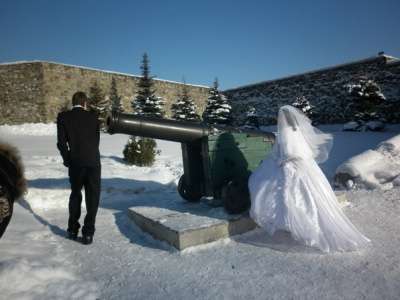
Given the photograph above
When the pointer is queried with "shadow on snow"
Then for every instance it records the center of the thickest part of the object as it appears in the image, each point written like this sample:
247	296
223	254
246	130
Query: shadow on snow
119	194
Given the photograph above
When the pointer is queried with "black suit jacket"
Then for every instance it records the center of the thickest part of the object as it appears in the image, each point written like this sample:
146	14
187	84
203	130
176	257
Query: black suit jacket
78	138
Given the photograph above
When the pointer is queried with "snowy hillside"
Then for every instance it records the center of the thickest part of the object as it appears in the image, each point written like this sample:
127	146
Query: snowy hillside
37	262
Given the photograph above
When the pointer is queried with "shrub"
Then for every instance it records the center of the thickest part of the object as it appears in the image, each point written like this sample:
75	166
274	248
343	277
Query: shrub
140	151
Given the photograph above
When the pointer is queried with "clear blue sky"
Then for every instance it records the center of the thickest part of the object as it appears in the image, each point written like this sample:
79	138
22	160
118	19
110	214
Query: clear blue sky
240	42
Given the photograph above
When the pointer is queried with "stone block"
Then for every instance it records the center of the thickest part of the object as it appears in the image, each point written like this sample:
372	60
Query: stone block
190	228
190	225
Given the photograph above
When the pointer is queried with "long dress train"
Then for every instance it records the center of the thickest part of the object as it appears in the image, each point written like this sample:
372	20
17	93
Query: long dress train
290	192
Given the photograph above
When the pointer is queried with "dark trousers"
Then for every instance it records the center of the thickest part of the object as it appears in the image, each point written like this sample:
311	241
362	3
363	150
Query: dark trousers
89	178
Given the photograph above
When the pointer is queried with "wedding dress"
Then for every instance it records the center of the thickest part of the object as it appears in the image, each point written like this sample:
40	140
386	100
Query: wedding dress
289	191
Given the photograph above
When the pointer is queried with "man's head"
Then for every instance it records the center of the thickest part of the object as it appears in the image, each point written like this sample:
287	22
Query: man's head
79	98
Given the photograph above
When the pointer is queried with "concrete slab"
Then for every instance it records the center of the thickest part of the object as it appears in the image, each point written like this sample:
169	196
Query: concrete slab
189	225
186	229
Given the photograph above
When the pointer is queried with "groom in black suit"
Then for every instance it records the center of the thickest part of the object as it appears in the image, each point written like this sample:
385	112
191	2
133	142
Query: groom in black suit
78	139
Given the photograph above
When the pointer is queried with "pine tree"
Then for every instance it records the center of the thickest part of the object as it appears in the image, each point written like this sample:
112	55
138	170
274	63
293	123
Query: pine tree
367	102
251	118
218	110
115	100
146	103
303	104
98	102
141	151
184	108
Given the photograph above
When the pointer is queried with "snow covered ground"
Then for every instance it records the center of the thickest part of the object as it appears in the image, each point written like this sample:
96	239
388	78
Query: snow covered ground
37	262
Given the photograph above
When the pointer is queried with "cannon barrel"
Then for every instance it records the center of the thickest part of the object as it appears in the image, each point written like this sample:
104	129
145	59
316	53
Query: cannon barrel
163	129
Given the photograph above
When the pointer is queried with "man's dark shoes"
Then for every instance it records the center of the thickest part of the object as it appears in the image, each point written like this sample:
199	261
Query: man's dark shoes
72	235
87	239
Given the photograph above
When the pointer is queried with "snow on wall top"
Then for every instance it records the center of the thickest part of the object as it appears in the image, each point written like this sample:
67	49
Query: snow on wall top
388	59
95	69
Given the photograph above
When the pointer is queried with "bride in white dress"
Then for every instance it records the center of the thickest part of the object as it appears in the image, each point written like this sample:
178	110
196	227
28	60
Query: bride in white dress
289	191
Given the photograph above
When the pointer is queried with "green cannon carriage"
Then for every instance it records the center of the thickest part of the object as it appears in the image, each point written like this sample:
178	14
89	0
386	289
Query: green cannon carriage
217	160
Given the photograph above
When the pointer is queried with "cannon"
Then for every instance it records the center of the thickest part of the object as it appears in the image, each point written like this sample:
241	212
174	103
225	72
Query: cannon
217	160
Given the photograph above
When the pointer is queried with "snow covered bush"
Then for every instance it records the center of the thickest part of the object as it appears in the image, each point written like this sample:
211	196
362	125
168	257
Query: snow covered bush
184	109
142	151
218	109
372	169
304	105
367	102
251	119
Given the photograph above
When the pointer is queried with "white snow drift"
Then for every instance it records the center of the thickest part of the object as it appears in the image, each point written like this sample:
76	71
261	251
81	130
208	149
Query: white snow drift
372	169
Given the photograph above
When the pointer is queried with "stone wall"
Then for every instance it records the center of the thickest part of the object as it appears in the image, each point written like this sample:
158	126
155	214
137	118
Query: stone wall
21	94
46	87
325	89
36	91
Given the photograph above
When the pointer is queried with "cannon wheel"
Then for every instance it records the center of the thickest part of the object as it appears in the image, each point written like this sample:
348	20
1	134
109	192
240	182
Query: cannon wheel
235	196
186	193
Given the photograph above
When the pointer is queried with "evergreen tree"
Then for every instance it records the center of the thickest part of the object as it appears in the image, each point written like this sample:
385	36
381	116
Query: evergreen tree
218	110
141	151
98	102
146	103
115	100
303	104
184	108
367	102
252	118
